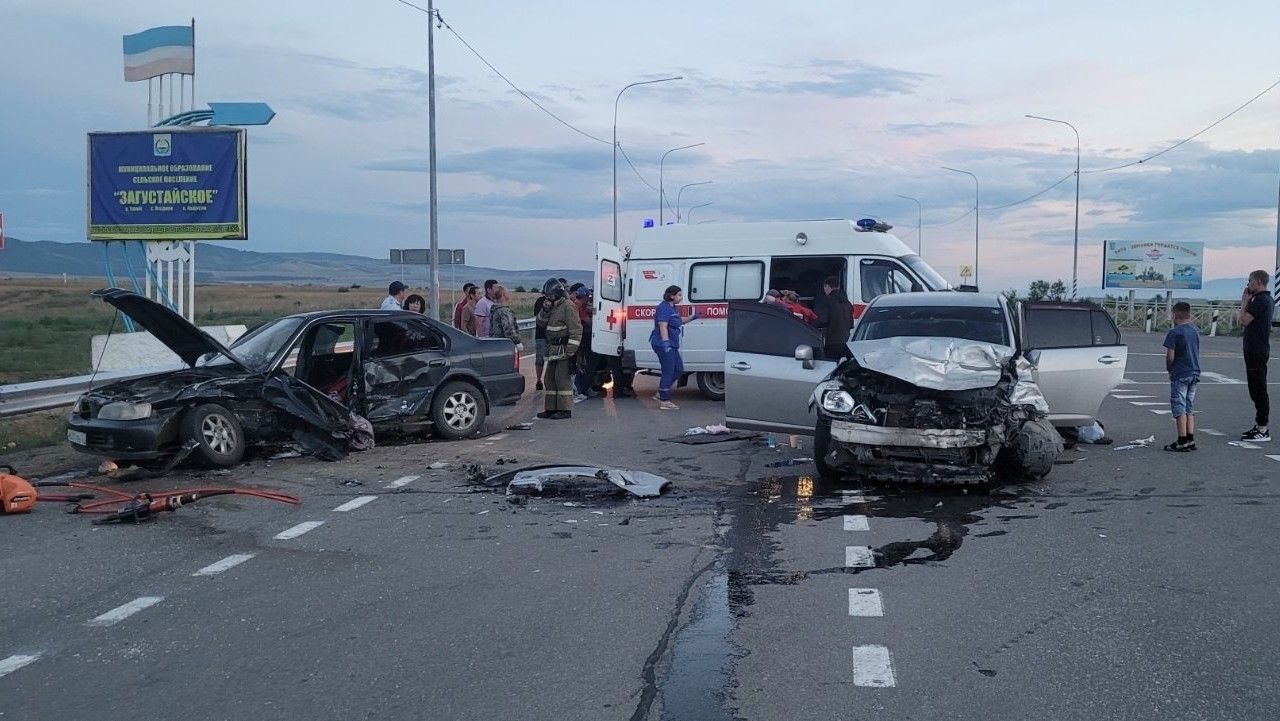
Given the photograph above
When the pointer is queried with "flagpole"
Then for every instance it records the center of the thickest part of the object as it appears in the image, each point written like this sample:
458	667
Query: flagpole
193	63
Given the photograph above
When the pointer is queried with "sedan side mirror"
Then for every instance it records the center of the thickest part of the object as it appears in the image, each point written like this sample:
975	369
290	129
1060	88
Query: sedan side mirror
1033	357
804	354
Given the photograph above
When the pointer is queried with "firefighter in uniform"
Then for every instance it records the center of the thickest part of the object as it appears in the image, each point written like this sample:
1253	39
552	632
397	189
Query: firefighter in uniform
564	335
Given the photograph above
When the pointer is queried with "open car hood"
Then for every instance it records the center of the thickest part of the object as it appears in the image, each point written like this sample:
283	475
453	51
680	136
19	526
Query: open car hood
944	364
187	341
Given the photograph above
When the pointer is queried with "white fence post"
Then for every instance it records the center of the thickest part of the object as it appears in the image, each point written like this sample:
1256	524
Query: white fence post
1151	312
1213	325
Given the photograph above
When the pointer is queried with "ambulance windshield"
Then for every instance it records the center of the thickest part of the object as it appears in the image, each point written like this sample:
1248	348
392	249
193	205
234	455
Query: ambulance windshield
926	273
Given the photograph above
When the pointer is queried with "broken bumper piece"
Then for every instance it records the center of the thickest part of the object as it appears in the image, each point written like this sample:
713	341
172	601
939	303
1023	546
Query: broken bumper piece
535	479
862	434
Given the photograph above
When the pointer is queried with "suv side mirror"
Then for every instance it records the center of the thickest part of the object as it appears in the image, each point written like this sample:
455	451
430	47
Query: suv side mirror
1033	357
804	354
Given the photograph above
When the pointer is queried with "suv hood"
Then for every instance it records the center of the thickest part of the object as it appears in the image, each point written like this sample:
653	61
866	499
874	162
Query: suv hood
187	341
943	364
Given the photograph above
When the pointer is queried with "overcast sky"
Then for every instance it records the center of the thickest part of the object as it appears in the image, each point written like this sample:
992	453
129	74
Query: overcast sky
807	109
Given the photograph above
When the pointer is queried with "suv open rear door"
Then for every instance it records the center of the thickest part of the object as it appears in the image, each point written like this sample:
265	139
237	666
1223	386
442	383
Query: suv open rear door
1082	357
607	325
766	388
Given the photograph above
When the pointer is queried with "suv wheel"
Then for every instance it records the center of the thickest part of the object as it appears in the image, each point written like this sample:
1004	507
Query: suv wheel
458	410
218	435
821	446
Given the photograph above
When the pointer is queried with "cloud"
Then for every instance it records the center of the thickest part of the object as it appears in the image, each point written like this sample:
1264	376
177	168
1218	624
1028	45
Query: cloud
844	79
915	129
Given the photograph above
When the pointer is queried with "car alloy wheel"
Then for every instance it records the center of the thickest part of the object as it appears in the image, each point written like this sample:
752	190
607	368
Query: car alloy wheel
218	433
460	410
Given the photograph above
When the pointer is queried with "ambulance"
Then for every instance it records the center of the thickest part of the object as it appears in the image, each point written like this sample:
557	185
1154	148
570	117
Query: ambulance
715	263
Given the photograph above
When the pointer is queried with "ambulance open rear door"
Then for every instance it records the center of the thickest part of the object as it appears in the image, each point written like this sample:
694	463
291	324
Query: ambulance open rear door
606	329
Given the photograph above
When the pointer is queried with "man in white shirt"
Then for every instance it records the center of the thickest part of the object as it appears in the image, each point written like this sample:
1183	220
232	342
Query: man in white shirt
396	293
482	309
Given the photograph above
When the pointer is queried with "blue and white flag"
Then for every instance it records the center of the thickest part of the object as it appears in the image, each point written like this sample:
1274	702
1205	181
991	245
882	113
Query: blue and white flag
159	51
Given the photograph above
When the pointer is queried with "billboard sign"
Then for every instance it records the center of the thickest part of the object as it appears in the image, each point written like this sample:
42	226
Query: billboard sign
179	184
1153	265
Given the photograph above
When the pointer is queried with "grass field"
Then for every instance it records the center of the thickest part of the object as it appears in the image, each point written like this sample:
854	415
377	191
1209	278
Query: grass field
46	326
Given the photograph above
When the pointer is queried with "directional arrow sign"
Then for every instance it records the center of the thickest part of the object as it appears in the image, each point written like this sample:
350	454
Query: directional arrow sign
241	113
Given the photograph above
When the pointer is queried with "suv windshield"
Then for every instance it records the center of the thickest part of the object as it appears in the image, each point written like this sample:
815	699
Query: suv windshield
985	325
257	348
926	272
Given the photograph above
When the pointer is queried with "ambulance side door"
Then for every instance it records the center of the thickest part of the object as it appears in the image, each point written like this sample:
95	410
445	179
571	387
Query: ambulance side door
606	329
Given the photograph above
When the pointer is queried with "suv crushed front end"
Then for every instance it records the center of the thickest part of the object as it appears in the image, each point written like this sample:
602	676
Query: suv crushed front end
933	410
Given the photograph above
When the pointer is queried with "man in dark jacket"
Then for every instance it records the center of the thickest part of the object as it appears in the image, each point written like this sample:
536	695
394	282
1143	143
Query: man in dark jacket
1257	308
835	316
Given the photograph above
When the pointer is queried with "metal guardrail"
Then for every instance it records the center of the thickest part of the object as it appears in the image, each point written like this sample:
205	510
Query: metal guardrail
19	398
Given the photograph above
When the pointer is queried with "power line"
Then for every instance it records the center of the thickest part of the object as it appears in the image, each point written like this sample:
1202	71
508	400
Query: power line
967	213
1030	198
634	170
1202	131
505	79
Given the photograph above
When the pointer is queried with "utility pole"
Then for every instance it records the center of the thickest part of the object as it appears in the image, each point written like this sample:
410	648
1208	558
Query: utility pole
919	224
975	220
431	141
1075	243
662	195
617	100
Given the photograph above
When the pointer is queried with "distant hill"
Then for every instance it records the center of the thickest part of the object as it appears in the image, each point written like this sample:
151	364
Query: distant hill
220	264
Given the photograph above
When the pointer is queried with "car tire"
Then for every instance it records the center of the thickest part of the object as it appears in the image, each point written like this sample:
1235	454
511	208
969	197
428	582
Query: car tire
711	385
217	433
458	410
1035	448
822	446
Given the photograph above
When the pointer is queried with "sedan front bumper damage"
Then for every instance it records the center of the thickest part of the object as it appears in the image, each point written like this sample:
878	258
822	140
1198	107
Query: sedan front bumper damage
859	433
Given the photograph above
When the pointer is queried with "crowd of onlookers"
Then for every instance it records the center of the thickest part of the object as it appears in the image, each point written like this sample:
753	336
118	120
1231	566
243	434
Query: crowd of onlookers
484	313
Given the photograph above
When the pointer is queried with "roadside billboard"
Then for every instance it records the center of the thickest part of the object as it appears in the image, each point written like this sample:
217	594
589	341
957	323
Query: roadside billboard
174	184
1153	265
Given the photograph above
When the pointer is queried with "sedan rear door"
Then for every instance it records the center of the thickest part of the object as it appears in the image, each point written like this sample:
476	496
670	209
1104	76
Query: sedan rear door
766	388
406	359
1082	357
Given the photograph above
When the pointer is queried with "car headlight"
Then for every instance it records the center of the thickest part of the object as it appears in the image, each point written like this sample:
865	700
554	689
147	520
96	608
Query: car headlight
837	402
120	411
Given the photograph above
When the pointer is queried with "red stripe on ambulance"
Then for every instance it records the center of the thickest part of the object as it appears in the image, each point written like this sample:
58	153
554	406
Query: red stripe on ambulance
706	311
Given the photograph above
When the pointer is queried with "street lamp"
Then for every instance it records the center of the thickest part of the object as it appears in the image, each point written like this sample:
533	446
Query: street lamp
661	197
975	220
688	218
919	223
681	191
615	145
1075	242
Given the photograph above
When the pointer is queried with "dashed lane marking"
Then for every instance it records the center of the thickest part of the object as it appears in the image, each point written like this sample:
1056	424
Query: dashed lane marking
1161	411
402	481
1220	379
17	661
298	530
355	503
855	522
859	557
852	497
227	563
865	602
1274	458
1147	403
872	666
120	613
1129	397
1212	432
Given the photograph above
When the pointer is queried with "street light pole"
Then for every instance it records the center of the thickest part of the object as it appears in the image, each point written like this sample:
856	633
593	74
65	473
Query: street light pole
919	224
681	192
616	100
688	219
662	197
1075	242
975	220
431	142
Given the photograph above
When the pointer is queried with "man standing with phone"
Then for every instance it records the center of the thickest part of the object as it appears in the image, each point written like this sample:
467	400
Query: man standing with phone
1256	310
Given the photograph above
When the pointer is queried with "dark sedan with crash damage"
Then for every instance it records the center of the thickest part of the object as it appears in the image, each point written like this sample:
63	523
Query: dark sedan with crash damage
313	379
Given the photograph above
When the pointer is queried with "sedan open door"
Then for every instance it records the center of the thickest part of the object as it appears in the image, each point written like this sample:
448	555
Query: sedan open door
1081	357
766	387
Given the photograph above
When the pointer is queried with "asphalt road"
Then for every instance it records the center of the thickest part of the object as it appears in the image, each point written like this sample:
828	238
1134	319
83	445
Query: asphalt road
1132	584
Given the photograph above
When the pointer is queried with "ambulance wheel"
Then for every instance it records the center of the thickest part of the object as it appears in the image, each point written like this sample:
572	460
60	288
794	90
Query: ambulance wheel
712	385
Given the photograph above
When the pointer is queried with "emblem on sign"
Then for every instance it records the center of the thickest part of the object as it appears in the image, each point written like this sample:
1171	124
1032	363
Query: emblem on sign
162	145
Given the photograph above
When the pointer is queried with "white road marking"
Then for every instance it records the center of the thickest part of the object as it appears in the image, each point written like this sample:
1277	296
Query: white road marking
298	530
15	662
872	667
497	436
1219	378
1211	432
229	562
355	503
1147	403
1243	444
1274	458
1129	397
856	523
859	557
403	481
120	613
1161	411
852	497
865	602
